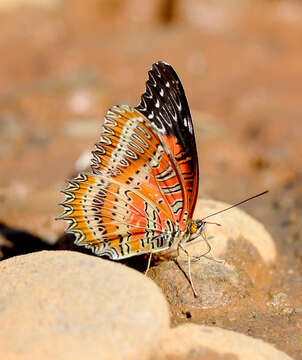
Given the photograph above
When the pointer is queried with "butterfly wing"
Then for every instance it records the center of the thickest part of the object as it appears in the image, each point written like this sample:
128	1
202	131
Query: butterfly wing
134	201
164	103
112	220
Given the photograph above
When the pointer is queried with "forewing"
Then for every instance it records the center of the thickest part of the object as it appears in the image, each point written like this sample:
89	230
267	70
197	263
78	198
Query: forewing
164	103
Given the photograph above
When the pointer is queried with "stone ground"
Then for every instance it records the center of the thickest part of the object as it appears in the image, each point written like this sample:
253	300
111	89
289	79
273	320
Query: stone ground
64	63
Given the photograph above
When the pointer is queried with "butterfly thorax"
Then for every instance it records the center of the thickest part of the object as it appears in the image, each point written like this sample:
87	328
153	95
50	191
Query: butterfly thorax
194	229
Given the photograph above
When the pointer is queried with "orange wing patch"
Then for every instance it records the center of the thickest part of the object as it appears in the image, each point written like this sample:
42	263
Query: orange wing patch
133	152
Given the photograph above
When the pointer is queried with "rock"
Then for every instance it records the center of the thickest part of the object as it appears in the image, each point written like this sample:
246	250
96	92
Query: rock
232	286
235	224
192	341
4	243
67	305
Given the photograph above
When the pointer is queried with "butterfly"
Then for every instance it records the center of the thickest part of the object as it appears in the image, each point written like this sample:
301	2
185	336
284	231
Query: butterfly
141	194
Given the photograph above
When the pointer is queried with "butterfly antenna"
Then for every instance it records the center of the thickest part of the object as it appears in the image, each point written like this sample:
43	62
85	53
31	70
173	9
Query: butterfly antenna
213	223
239	203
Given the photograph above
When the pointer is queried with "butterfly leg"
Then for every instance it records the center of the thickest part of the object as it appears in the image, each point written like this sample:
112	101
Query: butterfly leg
210	257
149	262
189	268
204	237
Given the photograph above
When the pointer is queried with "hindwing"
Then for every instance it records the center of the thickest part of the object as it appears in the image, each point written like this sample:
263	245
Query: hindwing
135	201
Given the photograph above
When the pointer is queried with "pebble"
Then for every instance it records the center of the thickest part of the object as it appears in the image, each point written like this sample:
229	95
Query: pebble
191	341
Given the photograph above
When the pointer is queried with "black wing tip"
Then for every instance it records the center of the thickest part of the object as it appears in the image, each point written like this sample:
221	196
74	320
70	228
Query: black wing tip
163	67
161	63
163	86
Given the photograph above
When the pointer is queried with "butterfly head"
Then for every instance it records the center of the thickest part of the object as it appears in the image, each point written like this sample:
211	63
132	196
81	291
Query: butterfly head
195	229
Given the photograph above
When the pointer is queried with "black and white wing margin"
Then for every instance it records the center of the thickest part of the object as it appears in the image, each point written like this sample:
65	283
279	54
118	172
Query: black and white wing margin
165	104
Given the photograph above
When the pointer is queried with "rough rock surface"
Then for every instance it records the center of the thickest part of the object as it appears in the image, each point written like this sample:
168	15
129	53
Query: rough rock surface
66	305
233	286
192	341
235	224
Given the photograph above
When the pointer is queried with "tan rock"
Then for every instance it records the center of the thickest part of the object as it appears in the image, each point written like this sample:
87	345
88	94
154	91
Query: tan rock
235	224
240	280
67	305
192	341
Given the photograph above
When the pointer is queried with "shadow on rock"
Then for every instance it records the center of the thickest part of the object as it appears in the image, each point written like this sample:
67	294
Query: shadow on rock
66	242
15	242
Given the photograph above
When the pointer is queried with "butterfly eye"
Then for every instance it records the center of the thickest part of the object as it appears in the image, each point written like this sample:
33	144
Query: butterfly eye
193	228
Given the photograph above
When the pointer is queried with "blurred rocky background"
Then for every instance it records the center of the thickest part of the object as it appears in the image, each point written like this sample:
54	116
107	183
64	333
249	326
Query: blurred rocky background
63	63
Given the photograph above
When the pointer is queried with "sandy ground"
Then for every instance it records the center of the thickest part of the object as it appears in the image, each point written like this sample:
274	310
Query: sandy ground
63	65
